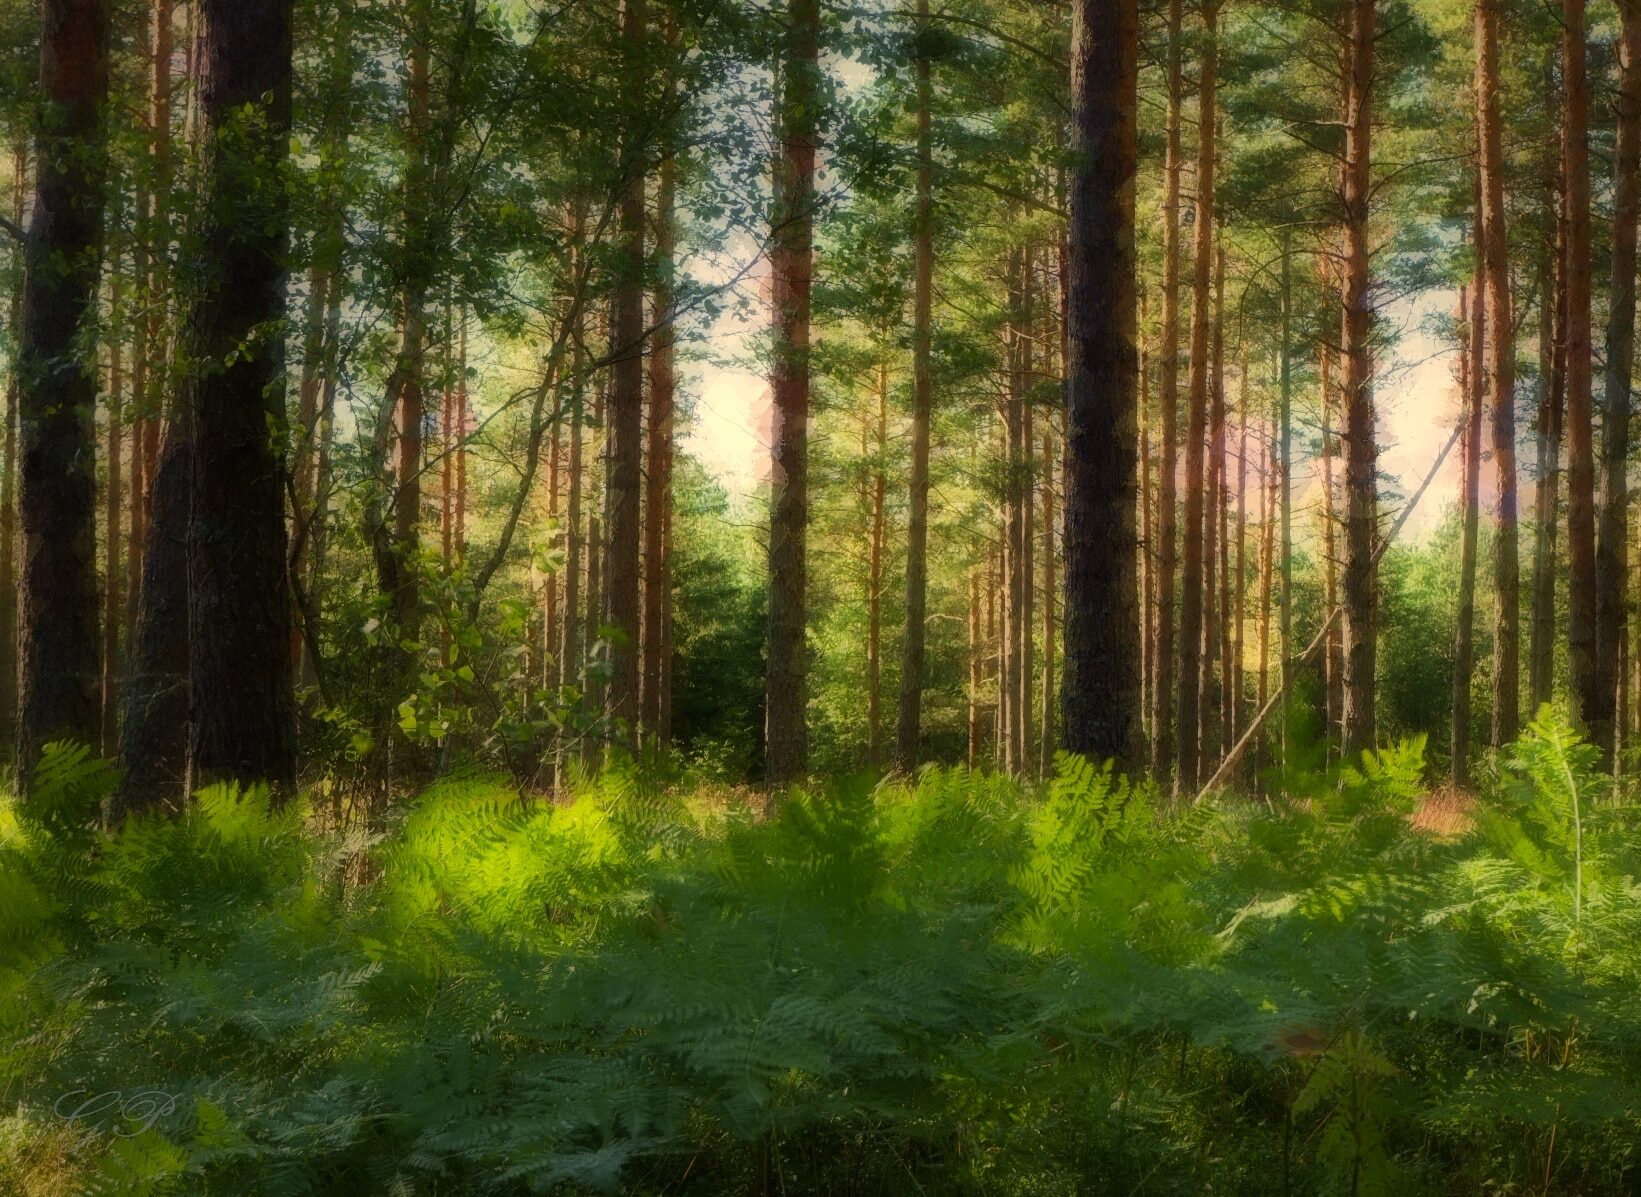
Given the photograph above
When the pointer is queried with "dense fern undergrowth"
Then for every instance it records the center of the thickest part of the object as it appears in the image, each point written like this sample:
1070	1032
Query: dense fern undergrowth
954	985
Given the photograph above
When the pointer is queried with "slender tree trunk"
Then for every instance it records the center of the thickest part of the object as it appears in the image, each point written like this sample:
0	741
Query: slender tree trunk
1501	379
1470	396
1582	601
58	645
1147	529
1212	530
1240	594
1015	549
1334	671
244	713
658	492
1546	501
908	727
1284	468
1268	500
785	692
626	433
1027	497
569	654
1611	566
1165	553
8	475
972	757
1189	721
1361	445
1101	695
112	504
1050	586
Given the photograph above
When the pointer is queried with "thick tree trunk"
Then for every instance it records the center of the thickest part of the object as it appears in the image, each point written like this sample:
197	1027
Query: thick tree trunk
1165	553
786	732
1361	444
57	642
1501	379
243	706
1470	414
626	445
1100	700
1147	559
154	727
908	725
1611	572
1581	616
1188	724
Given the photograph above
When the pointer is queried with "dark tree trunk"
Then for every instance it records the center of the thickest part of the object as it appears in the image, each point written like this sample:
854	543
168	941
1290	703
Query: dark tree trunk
57	641
154	727
1166	550
1101	693
1361	445
113	506
908	725
8	485
1188	725
626	447
1581	615
1501	380
1546	497
658	492
1611	572
243	725
785	693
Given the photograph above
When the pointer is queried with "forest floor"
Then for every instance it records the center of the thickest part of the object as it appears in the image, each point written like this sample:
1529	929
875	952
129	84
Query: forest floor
954	985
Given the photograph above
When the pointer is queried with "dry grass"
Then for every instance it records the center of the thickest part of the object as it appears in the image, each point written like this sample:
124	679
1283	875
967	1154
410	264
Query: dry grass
1445	813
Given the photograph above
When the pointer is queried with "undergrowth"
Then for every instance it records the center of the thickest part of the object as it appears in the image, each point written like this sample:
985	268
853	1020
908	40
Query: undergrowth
945	986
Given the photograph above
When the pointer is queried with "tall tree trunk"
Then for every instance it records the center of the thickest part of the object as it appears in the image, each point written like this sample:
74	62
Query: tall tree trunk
1188	725
1611	572
626	443
569	651
972	756
1165	553
1546	498
1268	499
1470	397
113	500
243	716
1240	593
1050	691
1213	481
785	692
407	385
58	646
908	725
658	492
1147	529
1284	467
1575	124
1014	514
8	475
1334	667
1501	379
1100	699
1027	497
1361	445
